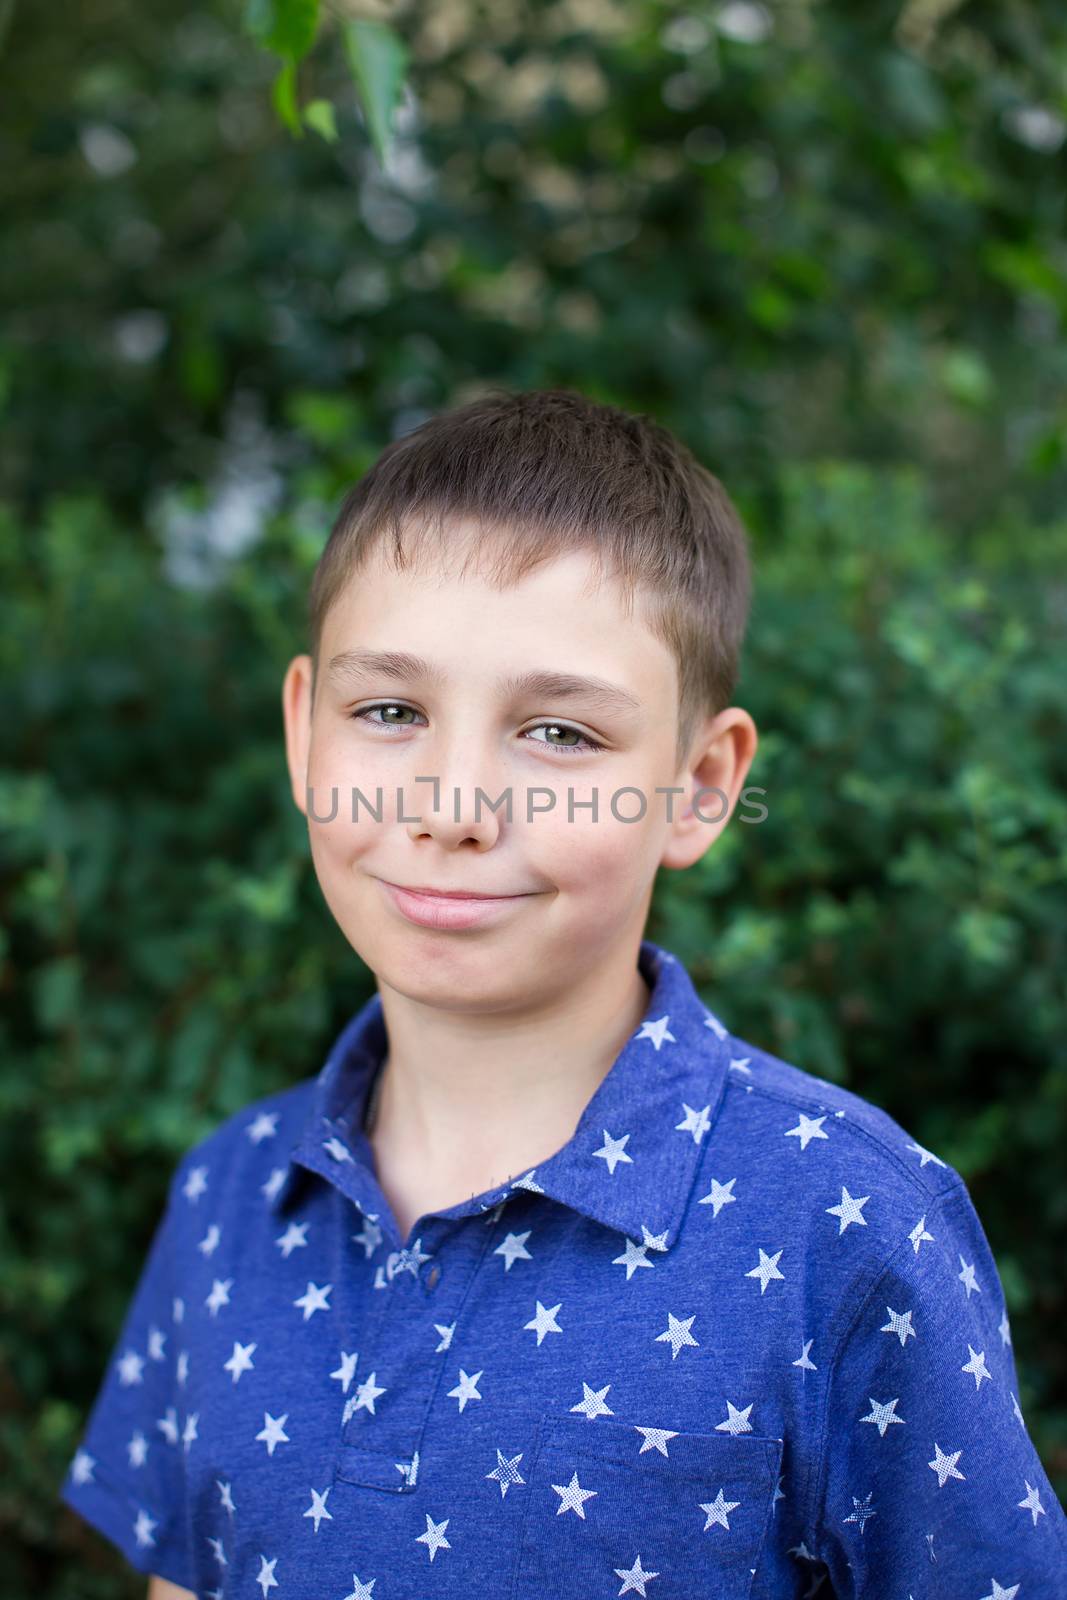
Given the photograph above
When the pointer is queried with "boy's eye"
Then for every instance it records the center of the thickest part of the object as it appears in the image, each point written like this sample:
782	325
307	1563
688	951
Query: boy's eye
584	742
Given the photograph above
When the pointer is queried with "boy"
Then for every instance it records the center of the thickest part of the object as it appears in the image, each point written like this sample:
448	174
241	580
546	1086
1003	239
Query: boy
547	1285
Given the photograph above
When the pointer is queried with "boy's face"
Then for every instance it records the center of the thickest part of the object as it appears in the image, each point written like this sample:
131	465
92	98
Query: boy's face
577	889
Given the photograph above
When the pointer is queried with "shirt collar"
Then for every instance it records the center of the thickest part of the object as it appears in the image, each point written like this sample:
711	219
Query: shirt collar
633	1157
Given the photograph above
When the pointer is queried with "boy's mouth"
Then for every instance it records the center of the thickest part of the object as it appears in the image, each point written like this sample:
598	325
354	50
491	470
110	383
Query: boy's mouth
449	908
451	894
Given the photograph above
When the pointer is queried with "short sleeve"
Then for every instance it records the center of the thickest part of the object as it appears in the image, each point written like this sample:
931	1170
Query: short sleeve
127	1477
930	1483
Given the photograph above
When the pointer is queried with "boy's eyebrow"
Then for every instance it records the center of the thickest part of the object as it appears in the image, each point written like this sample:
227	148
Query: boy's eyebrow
536	684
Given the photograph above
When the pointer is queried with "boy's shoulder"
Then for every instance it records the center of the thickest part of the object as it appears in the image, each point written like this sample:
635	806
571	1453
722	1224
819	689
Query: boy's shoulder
247	1154
860	1193
855	1135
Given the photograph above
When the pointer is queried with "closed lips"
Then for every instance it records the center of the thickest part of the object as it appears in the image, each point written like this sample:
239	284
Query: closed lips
455	894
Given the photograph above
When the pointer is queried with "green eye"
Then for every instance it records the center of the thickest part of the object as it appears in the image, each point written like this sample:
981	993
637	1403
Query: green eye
584	744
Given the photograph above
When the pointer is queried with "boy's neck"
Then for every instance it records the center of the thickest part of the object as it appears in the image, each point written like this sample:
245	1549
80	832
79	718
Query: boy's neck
458	1113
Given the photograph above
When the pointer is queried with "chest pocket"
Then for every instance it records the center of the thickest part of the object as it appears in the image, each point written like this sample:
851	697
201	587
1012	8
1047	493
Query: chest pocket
605	1511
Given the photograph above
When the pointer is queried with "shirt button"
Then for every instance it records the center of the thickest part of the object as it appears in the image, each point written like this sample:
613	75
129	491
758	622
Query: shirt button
432	1276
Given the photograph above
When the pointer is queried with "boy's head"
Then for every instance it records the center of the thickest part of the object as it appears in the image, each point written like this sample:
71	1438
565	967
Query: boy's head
524	535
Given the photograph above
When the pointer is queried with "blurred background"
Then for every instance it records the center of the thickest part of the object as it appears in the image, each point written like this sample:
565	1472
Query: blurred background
822	242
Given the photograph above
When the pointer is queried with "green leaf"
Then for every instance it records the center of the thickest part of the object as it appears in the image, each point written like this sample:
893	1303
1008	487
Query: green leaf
378	59
320	117
287	27
283	95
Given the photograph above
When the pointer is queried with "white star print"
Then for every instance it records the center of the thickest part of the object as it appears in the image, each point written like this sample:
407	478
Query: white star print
506	1472
366	1394
434	1537
1003	1328
292	1239
677	1332
968	1279
711	1021
861	1510
613	1151
655	1439
264	1127
466	1389
361	1591
573	1497
317	1508
736	1422
143	1529
848	1210
137	1449
265	1577
767	1269
657	1032
881	1414
945	1465
1002	1594
240	1361
195	1185
273	1431
527	1182
695	1122
156	1342
168	1425
346	1371
314	1299
802	1359
919	1234
717	1511
219	1296
270	1189
634	1578
82	1467
336	1149
808	1128
900	1324
720	1194
544	1321
514	1249
593	1403
225	1497
1032	1503
925	1155
130	1368
634	1256
370	1237
976	1365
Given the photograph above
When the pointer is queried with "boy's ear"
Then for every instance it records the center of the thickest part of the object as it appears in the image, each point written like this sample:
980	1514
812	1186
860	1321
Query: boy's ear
719	759
296	710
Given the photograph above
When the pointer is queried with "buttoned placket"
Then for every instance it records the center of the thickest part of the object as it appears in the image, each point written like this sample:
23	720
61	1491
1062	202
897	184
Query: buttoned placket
419	1292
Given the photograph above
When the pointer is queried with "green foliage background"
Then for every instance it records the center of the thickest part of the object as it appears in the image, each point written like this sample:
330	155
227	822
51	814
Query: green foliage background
825	244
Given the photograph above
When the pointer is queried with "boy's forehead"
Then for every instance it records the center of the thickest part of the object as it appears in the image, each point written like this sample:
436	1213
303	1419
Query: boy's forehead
466	558
570	593
566	614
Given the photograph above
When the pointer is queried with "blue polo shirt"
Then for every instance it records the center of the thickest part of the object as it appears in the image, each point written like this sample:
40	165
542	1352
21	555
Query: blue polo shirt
742	1336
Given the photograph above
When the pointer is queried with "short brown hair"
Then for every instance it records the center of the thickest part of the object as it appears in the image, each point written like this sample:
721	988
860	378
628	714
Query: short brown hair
545	471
